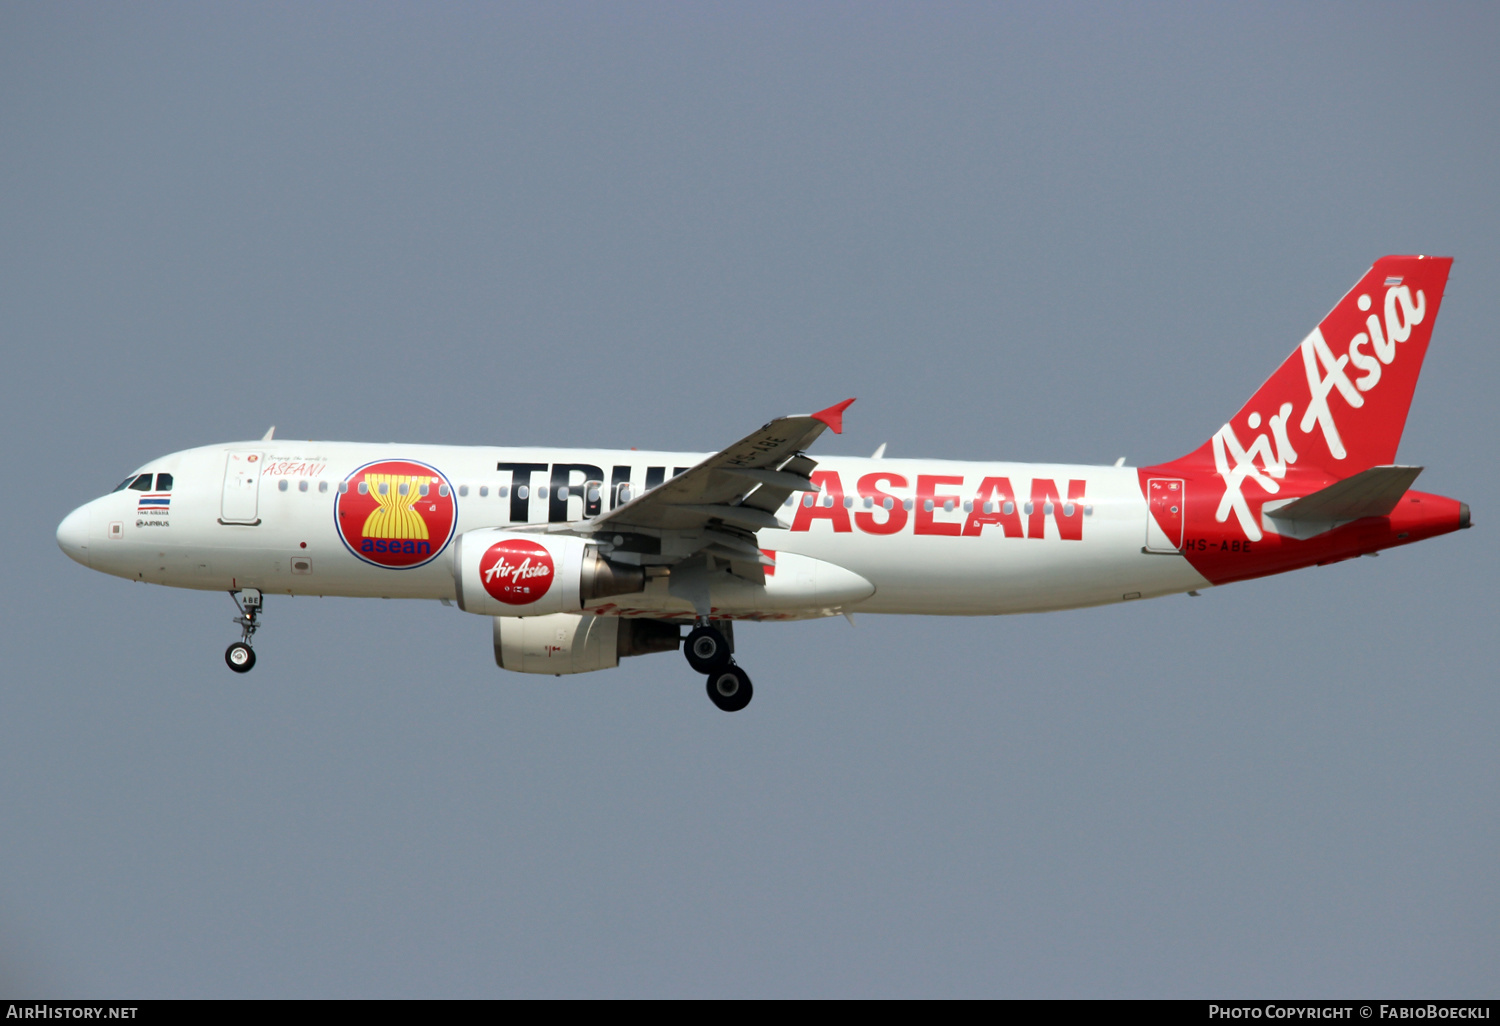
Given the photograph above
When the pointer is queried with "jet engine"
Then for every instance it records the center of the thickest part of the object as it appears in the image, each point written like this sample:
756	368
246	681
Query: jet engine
506	573
559	643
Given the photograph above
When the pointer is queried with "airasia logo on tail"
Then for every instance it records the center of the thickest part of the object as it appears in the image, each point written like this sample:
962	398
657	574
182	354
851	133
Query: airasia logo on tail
516	572
1369	351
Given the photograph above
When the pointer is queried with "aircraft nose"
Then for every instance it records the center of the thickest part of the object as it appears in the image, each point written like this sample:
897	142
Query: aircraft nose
73	535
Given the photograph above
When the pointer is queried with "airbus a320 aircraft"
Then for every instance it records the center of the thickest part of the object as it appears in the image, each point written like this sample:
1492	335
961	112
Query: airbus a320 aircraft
583	556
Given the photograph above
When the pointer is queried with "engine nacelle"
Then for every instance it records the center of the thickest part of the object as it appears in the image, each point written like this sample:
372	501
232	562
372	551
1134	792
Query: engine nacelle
505	573
561	643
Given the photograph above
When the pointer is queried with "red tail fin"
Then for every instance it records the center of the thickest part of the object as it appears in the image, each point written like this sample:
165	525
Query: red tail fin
1336	407
1338	404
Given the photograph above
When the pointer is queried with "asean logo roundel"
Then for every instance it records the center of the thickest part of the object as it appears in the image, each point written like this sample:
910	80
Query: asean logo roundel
396	513
517	572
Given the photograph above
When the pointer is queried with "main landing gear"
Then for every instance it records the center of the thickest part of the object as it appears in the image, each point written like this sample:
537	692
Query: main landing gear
240	656
708	651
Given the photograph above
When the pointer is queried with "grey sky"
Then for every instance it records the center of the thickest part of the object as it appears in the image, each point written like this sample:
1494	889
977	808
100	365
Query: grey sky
1055	233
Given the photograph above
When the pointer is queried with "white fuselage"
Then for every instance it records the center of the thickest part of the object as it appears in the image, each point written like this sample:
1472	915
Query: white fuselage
1009	548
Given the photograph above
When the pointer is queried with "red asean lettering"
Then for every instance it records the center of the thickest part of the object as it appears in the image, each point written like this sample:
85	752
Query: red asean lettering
1044	493
996	491
926	487
895	517
828	481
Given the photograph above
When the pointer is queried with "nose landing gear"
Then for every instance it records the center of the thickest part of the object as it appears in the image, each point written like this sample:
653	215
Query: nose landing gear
240	657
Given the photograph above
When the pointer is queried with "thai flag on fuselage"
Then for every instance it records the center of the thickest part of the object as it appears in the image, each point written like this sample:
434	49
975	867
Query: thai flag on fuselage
154	502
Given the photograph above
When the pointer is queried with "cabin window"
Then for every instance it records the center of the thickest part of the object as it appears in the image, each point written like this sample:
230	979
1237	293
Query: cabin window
463	491
401	489
1029	507
523	492
322	486
422	490
907	505
1047	508
301	486
562	493
442	490
541	493
503	491
484	490
889	503
848	502
1069	509
364	488
1008	508
927	506
281	485
164	482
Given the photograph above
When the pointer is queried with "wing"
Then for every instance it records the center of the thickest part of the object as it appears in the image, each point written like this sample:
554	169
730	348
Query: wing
718	506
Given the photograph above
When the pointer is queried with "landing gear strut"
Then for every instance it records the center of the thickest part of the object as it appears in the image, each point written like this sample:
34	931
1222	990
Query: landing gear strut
240	656
709	652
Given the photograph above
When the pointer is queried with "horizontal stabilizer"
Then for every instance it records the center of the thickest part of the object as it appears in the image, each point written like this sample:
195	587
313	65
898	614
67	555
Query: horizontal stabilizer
1370	493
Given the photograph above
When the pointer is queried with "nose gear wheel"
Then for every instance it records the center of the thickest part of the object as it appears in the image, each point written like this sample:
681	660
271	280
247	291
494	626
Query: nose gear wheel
240	657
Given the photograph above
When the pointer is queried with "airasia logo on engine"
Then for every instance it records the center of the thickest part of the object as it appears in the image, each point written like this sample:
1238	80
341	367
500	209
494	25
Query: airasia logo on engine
516	572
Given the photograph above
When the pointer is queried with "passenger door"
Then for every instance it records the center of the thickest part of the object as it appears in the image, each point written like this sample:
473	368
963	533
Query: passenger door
241	501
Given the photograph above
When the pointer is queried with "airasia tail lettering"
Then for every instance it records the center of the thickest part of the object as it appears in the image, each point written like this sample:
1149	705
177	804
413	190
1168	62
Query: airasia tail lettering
882	504
1336	408
1325	374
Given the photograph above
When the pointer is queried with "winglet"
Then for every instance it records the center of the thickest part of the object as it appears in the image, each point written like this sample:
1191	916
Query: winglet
834	416
269	434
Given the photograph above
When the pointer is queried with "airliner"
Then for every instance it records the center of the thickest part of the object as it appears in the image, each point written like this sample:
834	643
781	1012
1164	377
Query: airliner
582	557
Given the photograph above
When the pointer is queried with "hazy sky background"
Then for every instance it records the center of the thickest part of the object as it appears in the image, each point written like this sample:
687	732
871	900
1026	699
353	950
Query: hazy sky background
1051	232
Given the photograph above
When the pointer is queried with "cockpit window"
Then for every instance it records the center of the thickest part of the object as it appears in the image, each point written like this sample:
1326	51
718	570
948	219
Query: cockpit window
121	486
164	482
142	483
